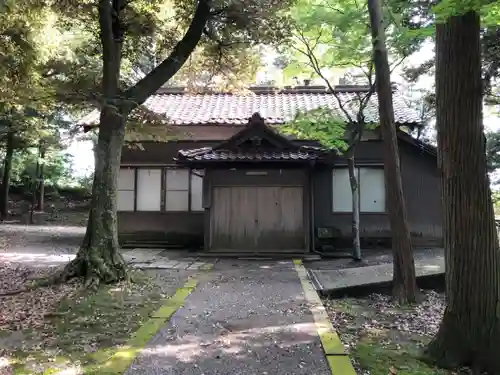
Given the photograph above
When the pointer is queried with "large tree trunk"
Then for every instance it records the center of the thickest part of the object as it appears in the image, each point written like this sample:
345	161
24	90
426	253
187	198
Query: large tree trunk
99	258
470	330
7	167
353	181
404	281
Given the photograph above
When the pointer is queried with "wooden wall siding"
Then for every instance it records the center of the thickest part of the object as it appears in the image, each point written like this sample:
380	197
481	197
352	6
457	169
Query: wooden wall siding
421	189
180	228
419	174
257	218
256	177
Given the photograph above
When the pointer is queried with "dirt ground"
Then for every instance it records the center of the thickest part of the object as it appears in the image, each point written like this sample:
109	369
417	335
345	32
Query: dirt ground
385	338
64	326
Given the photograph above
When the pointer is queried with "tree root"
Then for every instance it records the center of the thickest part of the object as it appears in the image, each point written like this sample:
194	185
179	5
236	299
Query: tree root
93	270
456	345
14	292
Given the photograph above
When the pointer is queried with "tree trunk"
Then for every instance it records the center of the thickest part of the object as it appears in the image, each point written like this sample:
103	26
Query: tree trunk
470	331
34	186
404	282
356	243
41	180
7	167
99	258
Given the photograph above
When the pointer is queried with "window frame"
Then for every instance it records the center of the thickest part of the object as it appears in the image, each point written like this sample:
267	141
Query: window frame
187	190
163	188
136	203
133	190
358	167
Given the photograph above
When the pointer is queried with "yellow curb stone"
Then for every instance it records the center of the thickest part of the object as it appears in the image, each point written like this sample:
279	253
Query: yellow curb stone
330	341
175	302
121	359
340	365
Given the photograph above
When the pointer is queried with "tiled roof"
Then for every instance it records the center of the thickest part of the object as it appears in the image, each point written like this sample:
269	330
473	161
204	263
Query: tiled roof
276	107
206	154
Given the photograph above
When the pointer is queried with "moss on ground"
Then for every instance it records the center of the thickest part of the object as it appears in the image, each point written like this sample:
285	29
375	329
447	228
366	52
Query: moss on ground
382	359
386	338
86	329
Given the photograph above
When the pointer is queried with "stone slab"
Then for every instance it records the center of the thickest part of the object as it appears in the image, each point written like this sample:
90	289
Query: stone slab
330	280
196	266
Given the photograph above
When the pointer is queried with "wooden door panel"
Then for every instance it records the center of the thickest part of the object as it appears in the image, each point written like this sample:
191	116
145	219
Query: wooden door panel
292	233
232	219
258	218
243	214
219	219
268	217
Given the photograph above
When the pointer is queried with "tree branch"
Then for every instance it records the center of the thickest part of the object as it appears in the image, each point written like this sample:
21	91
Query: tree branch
108	48
137	94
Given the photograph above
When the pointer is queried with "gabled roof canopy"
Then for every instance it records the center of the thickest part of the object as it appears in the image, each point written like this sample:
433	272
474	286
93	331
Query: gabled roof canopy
257	142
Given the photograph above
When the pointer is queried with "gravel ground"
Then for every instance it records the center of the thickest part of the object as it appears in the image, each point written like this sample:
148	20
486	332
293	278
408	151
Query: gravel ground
244	318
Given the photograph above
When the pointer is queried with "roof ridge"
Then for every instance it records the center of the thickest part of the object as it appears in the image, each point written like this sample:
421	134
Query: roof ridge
263	90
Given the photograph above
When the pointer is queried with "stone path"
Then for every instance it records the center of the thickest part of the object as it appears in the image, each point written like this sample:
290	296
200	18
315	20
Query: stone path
327	280
154	259
244	318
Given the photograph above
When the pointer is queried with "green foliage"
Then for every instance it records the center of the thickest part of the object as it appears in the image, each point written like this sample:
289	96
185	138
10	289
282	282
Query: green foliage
495	197
326	41
57	171
226	55
493	150
489	10
319	125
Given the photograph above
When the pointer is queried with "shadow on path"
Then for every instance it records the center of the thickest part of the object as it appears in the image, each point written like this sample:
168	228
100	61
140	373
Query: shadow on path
249	320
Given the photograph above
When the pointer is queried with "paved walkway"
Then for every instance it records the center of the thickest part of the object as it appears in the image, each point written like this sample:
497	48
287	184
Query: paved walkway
331	276
157	259
243	318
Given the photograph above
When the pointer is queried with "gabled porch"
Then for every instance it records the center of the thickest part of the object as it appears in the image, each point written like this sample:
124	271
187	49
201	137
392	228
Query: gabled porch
257	191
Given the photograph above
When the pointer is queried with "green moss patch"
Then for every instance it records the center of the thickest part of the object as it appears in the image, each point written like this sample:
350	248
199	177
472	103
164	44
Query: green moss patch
88	328
382	358
385	338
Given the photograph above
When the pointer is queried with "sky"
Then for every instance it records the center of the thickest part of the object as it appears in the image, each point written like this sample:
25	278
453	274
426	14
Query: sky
82	154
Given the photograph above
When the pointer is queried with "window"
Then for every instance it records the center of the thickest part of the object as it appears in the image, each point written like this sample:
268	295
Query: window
125	191
177	190
183	189
371	190
342	201
197	190
148	189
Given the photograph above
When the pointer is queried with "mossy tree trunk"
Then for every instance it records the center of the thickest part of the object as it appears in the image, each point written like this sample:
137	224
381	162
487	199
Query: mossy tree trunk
404	281
7	168
99	258
470	331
